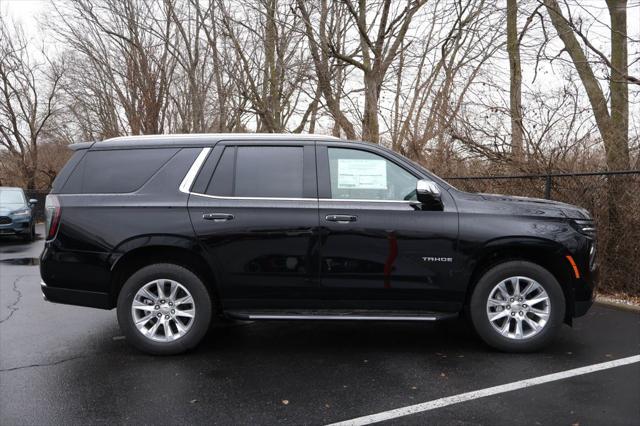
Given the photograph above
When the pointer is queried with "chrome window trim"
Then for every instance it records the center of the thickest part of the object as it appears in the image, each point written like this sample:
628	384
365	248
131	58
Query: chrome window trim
364	200
187	183
217	197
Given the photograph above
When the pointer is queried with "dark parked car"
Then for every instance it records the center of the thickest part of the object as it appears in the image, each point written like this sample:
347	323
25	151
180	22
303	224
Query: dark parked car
175	230
16	216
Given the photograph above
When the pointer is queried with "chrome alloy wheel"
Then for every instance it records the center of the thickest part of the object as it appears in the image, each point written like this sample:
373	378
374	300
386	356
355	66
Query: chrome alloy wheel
518	308
163	310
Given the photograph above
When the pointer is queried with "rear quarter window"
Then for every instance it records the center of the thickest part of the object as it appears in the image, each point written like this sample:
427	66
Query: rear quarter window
68	168
116	171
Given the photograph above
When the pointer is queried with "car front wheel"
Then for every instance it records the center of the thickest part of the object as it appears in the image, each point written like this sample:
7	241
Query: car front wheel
517	306
164	309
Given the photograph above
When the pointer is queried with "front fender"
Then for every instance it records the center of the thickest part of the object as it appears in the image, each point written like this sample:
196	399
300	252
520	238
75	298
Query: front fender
547	253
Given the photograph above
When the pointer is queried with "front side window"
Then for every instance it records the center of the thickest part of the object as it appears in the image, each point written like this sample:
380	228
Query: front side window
259	171
361	175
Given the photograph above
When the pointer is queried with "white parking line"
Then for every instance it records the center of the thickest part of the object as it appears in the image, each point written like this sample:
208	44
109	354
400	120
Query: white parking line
455	399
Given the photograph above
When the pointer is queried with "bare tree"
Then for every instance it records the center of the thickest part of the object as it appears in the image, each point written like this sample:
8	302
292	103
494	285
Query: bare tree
116	39
230	103
448	60
273	66
381	33
515	89
28	99
330	78
614	125
612	120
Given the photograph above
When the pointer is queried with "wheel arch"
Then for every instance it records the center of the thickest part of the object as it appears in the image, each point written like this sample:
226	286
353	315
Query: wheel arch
135	254
549	254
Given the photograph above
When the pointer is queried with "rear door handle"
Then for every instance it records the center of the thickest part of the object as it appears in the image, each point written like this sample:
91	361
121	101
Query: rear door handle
341	218
218	217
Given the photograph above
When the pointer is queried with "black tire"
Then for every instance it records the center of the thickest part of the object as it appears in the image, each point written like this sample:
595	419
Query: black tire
31	235
481	293
191	282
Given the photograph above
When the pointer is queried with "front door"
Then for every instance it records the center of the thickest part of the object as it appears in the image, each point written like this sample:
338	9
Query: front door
254	208
379	250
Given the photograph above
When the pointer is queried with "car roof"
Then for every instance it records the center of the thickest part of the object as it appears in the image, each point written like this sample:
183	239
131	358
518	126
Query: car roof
11	188
195	140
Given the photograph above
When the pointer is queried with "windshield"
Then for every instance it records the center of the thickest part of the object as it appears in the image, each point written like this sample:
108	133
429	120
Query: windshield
11	196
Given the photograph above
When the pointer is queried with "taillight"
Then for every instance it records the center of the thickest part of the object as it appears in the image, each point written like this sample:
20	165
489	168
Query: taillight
52	215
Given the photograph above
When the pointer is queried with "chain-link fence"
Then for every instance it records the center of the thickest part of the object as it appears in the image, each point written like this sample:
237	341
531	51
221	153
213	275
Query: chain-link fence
613	198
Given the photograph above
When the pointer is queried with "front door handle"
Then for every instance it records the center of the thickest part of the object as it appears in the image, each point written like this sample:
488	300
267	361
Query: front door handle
218	217
341	218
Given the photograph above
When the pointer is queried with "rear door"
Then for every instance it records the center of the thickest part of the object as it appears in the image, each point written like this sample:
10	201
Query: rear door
379	249
255	210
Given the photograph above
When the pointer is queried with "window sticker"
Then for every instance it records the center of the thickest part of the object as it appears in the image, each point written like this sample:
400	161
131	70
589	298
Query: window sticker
362	174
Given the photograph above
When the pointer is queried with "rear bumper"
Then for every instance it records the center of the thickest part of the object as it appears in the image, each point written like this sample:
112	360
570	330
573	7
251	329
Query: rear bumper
69	296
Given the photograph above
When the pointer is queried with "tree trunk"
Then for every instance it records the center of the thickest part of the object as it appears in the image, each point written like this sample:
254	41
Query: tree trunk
370	126
617	146
515	87
272	95
618	149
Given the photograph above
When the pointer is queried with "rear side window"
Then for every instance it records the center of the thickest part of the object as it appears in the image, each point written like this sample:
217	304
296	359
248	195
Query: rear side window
221	183
116	171
269	171
259	171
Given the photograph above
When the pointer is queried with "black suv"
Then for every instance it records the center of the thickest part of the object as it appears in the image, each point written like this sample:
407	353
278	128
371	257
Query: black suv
175	230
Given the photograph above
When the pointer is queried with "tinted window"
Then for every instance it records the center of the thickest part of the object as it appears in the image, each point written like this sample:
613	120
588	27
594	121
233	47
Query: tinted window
221	182
63	175
269	171
204	175
363	175
117	171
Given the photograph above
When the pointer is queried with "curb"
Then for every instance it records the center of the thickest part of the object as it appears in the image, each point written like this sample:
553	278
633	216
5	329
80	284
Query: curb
617	305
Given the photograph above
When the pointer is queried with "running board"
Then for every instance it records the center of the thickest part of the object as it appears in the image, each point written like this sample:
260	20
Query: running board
340	316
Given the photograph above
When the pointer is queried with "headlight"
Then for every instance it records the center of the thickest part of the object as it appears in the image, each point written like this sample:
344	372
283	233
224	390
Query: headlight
24	212
586	227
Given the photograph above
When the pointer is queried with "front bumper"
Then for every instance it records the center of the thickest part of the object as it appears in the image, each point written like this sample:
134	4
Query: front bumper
17	226
580	308
584	291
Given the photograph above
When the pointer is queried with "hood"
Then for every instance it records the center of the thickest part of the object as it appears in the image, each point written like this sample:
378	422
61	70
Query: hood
535	206
6	209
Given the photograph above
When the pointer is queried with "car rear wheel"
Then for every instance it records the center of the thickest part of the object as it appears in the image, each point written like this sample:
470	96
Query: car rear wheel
164	309
517	306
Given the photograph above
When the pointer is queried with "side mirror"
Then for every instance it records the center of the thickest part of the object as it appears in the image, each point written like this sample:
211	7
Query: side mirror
33	201
429	195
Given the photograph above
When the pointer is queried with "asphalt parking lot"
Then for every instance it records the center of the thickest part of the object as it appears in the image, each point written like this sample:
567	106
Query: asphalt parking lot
70	365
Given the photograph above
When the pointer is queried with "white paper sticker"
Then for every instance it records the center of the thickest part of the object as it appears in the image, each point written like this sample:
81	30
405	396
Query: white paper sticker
362	174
